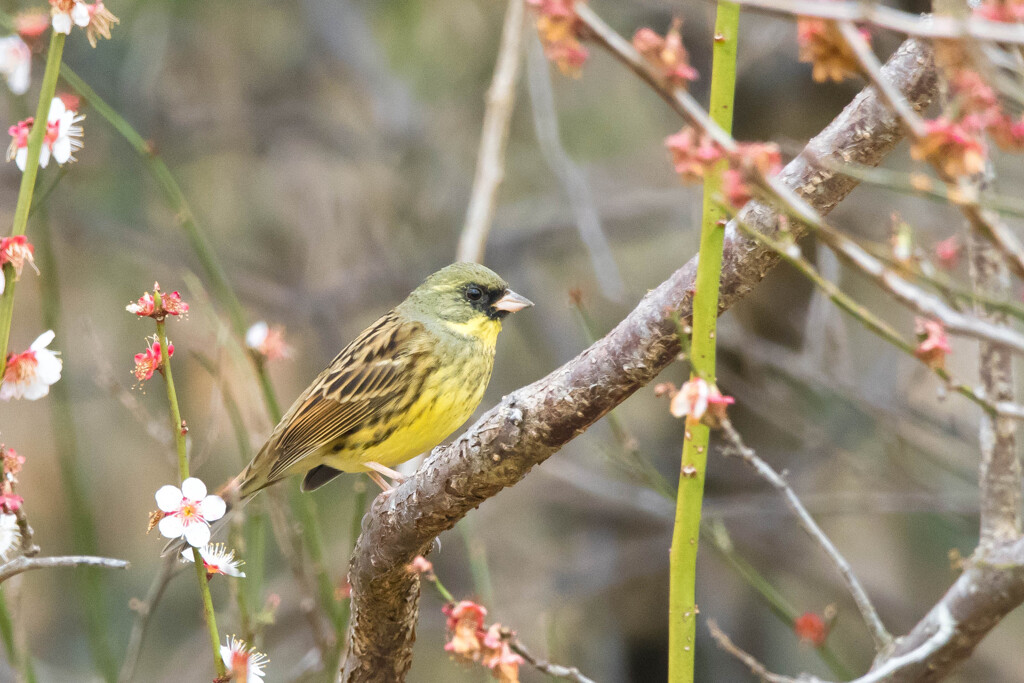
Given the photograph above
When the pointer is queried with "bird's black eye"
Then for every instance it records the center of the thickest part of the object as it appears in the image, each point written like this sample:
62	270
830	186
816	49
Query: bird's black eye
474	293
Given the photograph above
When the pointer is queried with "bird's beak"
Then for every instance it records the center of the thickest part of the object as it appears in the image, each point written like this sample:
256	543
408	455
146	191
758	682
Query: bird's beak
510	302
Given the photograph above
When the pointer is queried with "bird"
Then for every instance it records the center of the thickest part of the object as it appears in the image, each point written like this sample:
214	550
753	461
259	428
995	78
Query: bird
397	390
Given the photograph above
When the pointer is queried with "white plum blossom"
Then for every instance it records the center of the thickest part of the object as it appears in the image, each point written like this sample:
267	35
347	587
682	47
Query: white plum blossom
15	64
10	534
29	374
244	663
188	511
61	140
217	559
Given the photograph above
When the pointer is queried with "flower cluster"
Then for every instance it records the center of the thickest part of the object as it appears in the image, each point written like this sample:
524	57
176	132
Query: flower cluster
696	400
694	154
822	45
170	304
244	664
15	64
472	642
933	345
188	511
268	342
956	140
151	360
17	251
560	30
61	139
96	19
958	146
667	54
30	373
217	559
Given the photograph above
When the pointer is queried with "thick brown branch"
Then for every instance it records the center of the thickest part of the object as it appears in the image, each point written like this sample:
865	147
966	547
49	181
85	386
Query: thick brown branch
532	423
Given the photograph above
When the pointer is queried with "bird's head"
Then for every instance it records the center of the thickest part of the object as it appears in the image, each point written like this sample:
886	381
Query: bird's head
469	297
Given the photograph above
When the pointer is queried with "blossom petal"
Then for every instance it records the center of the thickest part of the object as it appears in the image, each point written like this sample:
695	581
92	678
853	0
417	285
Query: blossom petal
21	157
19	79
43	340
197	534
62	23
212	508
44	155
48	367
80	14
193	488
168	498
62	150
256	335
33	391
171	527
57	110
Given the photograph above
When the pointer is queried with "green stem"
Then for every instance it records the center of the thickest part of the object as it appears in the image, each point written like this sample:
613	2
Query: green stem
445	593
683	554
28	183
73	479
179	442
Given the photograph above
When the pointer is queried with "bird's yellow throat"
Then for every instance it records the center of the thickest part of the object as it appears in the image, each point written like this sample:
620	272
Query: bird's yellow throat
483	328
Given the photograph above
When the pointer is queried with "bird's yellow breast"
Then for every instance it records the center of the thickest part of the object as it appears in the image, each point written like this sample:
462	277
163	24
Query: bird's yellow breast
448	397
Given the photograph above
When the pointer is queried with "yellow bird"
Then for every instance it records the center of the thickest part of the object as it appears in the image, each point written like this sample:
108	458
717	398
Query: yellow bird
408	381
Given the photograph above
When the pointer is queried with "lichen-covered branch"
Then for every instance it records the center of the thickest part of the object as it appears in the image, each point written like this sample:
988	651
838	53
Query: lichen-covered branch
533	422
24	564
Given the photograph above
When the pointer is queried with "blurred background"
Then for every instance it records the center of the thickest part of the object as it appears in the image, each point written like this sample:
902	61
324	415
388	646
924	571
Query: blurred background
328	148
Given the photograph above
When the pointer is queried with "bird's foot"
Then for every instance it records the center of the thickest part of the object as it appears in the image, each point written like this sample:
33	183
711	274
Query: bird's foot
376	472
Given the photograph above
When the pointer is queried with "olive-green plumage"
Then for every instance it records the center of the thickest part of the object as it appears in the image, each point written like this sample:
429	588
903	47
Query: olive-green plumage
408	381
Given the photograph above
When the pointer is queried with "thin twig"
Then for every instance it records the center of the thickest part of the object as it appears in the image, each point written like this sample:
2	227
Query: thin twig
568	673
751	662
922	26
24	564
879	633
490	163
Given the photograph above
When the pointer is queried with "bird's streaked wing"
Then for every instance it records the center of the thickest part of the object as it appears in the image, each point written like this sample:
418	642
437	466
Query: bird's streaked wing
370	375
